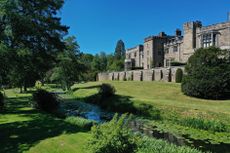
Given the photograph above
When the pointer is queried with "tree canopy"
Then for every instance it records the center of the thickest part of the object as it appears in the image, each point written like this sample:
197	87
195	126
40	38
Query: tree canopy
208	74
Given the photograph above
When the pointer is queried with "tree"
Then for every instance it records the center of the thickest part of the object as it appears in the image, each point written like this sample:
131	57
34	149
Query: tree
31	27
69	67
120	50
208	74
89	74
100	62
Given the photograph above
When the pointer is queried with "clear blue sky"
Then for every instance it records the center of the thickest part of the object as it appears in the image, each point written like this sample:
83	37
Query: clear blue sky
99	24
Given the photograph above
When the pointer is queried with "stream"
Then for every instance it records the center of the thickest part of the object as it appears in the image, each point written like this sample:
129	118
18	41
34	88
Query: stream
95	113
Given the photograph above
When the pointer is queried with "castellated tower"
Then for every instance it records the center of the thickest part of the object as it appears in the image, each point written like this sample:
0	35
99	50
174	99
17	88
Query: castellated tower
189	42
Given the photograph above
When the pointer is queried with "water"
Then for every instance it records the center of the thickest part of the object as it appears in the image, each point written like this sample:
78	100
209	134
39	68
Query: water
93	112
88	111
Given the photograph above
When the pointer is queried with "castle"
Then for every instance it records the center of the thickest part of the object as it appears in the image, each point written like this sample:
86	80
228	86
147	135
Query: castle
164	50
161	56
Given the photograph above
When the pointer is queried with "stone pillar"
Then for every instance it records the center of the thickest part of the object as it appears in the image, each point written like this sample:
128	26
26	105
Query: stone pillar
103	76
111	76
122	76
137	75
148	75
157	74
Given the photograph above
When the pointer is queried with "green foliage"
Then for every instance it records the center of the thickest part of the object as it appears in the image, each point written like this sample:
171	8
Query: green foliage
43	100
1	100
208	74
112	137
69	67
120	50
38	85
179	75
106	90
147	111
30	38
151	145
80	122
204	124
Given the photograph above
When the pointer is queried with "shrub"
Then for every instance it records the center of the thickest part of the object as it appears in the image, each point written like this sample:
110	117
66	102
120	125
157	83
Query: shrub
106	90
151	145
208	74
148	111
112	137
1	101
200	123
38	85
179	75
45	101
80	122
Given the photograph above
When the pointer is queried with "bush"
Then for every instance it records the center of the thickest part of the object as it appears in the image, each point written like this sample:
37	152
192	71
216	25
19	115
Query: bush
179	75
38	84
106	90
112	137
45	101
151	145
80	122
208	74
200	123
1	101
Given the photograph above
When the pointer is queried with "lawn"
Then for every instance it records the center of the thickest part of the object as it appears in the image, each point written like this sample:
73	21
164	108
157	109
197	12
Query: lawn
172	103
165	95
23	129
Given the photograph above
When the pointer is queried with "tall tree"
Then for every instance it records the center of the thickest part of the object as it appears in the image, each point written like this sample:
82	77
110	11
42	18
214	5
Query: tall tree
32	31
69	67
120	50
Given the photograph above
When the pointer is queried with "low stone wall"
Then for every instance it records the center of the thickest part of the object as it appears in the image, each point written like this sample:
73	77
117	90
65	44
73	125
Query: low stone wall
116	75
137	75
122	76
103	76
156	74
173	73
148	75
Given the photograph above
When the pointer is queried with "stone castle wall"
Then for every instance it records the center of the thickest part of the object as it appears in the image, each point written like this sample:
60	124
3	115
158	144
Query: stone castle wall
157	74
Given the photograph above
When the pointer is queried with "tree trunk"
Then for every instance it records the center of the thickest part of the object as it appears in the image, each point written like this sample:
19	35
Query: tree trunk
25	87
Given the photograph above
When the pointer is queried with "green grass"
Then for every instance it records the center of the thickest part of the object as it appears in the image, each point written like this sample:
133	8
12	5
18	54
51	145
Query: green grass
173	106
24	129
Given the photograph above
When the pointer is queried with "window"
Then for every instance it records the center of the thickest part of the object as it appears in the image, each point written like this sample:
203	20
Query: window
175	48
147	53
135	54
166	50
207	40
159	52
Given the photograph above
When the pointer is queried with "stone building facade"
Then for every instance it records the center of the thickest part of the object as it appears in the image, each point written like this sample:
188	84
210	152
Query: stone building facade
163	50
149	55
196	36
134	57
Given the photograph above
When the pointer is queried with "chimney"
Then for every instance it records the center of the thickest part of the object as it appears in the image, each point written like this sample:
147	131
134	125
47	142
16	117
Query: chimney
162	34
178	32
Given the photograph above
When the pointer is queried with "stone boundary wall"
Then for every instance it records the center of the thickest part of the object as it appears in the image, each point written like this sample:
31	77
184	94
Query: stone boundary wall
156	74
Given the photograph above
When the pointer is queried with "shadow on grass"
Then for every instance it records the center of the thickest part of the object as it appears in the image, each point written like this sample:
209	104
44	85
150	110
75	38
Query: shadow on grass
17	137
123	104
90	87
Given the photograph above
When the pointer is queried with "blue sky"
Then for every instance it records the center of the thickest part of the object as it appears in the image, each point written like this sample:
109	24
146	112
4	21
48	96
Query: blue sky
99	24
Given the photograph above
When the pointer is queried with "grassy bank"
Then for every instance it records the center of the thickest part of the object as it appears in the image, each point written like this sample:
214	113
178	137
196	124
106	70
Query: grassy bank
24	129
198	118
